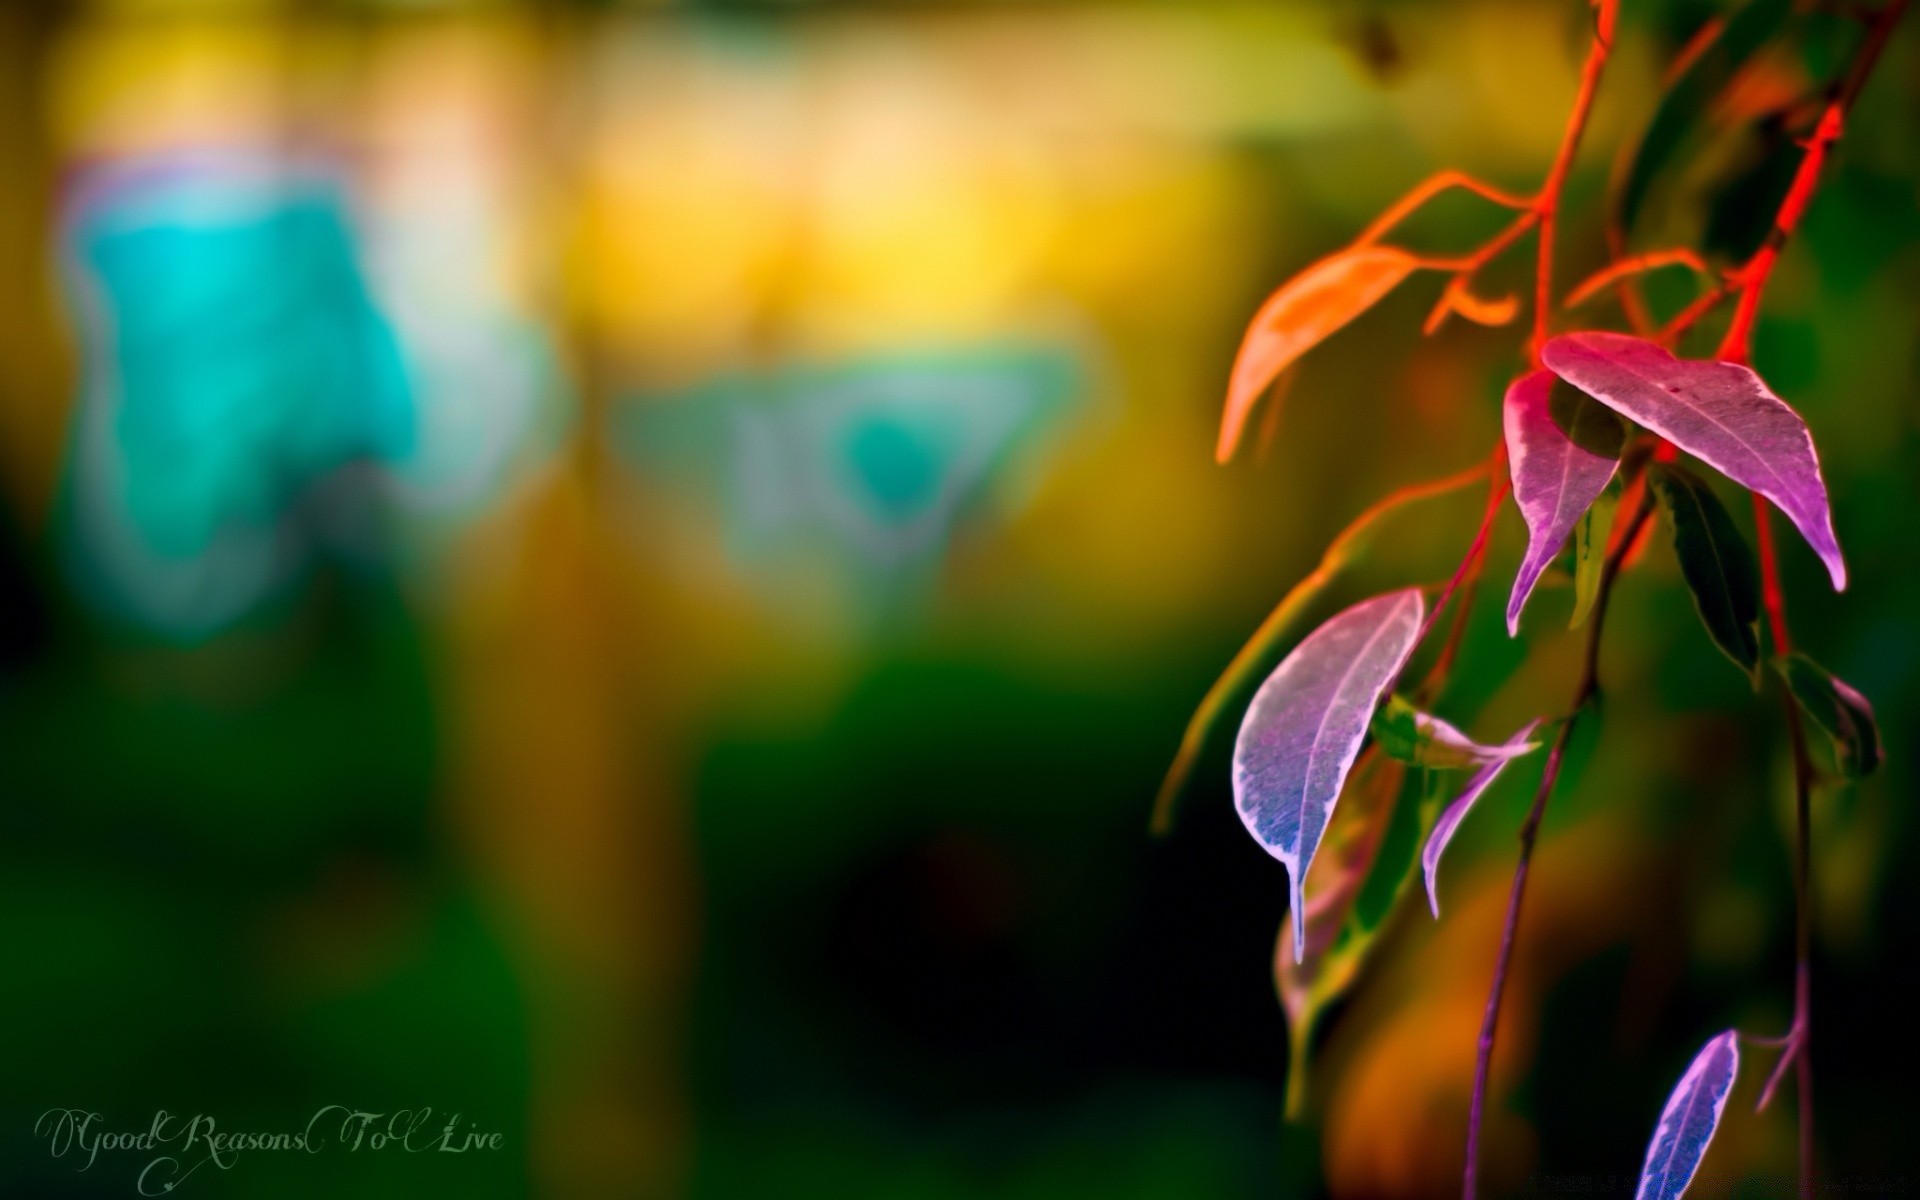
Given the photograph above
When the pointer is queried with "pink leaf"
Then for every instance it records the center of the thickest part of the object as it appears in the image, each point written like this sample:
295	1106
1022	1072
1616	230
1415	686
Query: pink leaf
1305	726
1719	412
1688	1122
1304	312
1562	448
1449	821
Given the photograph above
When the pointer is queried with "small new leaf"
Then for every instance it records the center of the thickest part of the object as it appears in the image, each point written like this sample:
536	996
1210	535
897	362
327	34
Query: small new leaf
1590	553
1449	822
1841	712
1714	560
1421	739
1689	1121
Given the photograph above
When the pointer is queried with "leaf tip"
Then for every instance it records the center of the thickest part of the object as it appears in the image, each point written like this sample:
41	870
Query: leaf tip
1298	904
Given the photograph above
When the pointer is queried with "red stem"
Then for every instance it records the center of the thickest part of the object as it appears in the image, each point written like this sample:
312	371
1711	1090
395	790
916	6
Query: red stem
1753	277
1549	202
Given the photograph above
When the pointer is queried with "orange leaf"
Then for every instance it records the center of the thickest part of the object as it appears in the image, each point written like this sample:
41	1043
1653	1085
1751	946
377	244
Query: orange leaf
1309	307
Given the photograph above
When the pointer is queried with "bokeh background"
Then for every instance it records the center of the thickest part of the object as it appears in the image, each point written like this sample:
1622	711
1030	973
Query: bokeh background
630	572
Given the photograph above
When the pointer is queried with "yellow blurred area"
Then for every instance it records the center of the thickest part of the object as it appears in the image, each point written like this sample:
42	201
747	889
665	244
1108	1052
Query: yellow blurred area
663	207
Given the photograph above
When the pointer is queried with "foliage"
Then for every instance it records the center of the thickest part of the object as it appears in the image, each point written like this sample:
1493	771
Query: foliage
1596	424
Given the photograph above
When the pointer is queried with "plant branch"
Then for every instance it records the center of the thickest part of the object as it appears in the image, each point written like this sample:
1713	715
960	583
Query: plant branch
1753	277
1341	551
1636	265
1583	694
1737	345
1426	190
1548	204
1798	1051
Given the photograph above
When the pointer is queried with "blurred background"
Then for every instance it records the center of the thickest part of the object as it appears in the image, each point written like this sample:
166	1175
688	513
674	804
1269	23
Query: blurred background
630	572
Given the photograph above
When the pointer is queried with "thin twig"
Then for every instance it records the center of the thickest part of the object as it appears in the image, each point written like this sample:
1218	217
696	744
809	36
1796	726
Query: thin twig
1583	694
1752	280
1759	269
1546	208
1639	264
1426	190
1548	205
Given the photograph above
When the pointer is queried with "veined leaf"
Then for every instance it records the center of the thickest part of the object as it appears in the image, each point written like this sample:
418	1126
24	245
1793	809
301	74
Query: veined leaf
1690	96
1352	542
1714	560
1304	312
1590	553
1305	726
1563	449
1688	1122
1719	412
1842	713
1424	740
1449	822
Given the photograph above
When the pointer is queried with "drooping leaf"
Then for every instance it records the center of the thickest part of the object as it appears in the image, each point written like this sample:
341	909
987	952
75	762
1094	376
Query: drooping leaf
1423	740
1304	312
1386	811
1590	553
1562	449
1719	412
1714	560
1689	97
1307	981
1449	822
1398	861
1344	549
1689	1120
1841	712
1305	726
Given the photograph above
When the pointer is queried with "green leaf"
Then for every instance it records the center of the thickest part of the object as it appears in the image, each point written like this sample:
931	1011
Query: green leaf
1687	102
1336	946
1842	713
1398	859
1420	739
1715	561
1396	729
1590	552
1377	860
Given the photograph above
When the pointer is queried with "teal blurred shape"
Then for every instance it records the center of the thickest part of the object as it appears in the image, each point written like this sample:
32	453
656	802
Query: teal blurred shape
870	464
233	360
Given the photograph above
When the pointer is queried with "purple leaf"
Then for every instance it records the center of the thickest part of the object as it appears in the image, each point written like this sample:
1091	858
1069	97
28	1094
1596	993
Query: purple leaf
1719	412
1688	1122
1456	812
1305	726
1563	449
